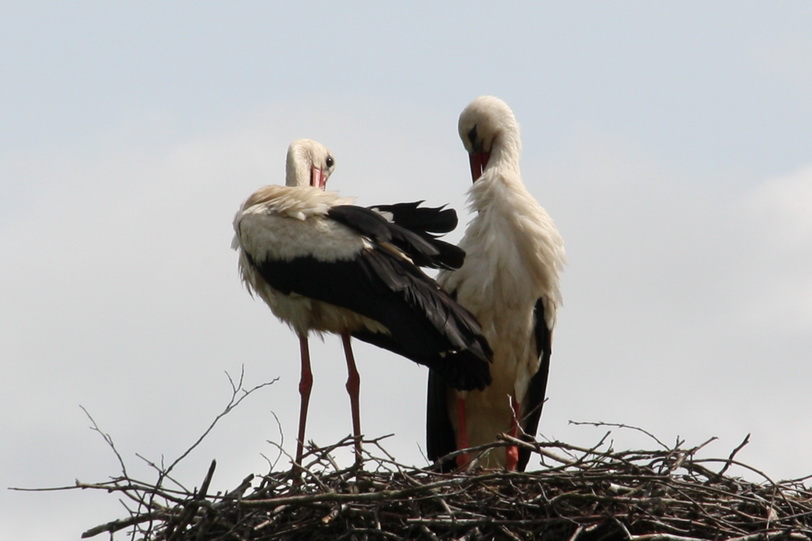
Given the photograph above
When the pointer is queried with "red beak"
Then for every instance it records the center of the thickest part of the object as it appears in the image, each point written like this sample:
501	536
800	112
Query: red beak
317	178
479	160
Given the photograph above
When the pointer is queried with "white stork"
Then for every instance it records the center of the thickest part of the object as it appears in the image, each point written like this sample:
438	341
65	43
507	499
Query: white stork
509	281
324	265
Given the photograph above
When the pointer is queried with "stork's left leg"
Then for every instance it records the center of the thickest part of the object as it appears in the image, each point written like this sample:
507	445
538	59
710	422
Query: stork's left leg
305	385
353	388
512	452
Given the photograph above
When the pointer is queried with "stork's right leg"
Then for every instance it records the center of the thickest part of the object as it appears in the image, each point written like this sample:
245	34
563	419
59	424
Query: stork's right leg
305	384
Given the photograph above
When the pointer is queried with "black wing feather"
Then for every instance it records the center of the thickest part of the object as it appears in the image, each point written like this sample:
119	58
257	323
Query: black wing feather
426	325
538	383
428	223
423	249
440	437
416	218
362	220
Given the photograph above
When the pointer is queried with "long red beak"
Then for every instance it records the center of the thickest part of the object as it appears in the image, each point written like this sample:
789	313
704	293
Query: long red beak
479	160
317	178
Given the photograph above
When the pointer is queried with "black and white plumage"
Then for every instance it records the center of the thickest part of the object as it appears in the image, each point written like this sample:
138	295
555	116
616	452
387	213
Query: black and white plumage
510	282
323	264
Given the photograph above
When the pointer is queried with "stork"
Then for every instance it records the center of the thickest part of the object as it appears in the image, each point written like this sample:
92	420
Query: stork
324	265
509	281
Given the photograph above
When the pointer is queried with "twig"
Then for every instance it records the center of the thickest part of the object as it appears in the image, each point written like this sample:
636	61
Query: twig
621	425
233	403
108	439
733	454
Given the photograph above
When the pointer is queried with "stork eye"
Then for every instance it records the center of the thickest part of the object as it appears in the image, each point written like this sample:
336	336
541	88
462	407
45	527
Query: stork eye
330	161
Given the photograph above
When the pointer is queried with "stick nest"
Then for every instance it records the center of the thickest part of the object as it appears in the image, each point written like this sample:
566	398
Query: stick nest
581	494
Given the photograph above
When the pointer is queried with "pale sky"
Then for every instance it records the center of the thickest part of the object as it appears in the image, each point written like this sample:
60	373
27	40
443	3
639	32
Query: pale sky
670	141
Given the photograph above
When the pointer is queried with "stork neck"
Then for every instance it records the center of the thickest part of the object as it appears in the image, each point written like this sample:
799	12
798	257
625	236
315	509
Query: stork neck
298	176
298	167
505	151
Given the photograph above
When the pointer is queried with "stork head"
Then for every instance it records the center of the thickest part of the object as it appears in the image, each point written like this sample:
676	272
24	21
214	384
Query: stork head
309	163
487	126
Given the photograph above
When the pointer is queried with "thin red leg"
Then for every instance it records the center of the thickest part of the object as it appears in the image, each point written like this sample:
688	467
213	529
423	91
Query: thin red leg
305	384
462	434
353	388
512	452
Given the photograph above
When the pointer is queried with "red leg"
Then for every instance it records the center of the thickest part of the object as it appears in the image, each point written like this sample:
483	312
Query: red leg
512	452
353	388
305	384
462	434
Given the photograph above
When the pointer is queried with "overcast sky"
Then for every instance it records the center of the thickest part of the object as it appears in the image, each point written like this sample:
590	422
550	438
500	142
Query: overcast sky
670	141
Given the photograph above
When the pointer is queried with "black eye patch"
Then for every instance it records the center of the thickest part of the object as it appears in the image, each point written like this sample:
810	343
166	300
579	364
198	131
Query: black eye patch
474	138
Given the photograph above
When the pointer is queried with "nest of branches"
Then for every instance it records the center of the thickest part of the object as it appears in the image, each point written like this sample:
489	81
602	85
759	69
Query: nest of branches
579	494
582	495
